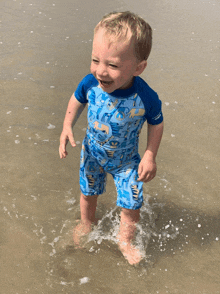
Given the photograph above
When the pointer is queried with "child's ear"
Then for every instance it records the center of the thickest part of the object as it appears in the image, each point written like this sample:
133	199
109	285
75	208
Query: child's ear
140	67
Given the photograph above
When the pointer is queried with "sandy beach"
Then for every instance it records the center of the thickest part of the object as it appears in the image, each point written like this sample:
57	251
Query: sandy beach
45	51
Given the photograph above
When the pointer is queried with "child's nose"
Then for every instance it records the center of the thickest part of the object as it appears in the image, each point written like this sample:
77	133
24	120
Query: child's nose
102	70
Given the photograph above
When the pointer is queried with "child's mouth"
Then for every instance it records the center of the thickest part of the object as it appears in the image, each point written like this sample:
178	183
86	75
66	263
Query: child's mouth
105	83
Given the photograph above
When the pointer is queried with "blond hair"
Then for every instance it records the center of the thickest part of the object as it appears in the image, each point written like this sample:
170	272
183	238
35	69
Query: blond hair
129	25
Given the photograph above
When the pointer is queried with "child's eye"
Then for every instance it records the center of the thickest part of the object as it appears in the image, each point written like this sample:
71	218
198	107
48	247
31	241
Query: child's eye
95	60
113	65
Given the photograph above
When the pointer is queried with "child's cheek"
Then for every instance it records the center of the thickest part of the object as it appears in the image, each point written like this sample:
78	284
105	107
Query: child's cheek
92	69
114	75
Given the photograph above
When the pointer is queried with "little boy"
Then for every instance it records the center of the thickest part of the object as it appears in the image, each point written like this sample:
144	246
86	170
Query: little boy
119	102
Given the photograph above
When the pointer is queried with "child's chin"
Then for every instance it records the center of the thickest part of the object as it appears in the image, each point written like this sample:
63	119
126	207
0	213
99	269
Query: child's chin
107	88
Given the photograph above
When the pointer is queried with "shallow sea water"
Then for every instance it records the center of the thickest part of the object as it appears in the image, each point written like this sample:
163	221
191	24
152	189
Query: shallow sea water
45	51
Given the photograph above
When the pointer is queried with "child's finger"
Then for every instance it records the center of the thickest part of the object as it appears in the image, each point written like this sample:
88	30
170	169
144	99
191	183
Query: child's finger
61	153
141	178
62	150
140	173
72	141
140	169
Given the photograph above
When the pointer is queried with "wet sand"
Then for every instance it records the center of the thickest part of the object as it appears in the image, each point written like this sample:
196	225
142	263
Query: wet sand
45	51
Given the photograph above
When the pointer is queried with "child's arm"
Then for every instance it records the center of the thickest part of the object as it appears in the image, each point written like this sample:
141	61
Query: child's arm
73	112
147	167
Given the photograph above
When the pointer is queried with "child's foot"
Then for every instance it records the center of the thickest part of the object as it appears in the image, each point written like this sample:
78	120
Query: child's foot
80	231
130	252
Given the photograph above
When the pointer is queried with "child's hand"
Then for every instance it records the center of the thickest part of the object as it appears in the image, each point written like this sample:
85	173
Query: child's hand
147	169
66	135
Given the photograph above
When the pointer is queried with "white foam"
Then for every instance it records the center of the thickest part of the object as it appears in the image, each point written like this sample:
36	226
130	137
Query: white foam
108	227
34	197
84	280
71	201
50	126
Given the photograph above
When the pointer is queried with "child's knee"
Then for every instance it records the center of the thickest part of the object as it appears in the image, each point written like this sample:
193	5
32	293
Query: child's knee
130	215
89	197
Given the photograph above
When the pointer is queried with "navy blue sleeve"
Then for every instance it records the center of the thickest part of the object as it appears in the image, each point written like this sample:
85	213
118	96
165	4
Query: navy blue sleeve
152	103
154	114
81	91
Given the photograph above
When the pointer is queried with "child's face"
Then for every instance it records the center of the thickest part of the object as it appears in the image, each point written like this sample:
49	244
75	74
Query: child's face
113	63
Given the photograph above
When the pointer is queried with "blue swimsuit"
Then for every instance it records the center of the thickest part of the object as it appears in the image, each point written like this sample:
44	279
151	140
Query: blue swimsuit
111	142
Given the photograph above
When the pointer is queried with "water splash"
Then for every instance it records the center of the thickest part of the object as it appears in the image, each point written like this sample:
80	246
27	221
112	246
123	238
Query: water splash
108	228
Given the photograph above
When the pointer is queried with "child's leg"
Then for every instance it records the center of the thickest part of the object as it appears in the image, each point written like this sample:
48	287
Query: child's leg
129	219
88	208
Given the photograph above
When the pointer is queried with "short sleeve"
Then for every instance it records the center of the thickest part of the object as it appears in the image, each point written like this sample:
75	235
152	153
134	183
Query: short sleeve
151	101
81	91
154	113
